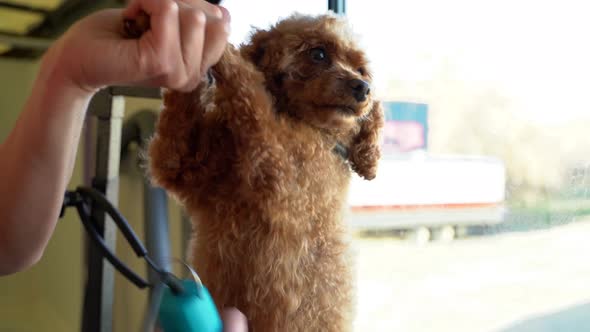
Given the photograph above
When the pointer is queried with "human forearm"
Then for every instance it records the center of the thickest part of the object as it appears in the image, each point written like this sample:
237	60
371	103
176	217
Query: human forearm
36	165
37	159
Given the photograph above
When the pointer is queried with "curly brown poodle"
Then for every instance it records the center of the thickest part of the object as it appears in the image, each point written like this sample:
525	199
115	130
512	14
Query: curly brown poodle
261	155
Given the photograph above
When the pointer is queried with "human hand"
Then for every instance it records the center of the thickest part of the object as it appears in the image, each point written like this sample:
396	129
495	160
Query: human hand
234	320
185	38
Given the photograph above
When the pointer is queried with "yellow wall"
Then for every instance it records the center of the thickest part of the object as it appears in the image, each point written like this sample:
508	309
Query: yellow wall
48	297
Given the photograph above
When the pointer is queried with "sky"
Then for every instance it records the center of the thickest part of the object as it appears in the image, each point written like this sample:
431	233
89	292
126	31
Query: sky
537	53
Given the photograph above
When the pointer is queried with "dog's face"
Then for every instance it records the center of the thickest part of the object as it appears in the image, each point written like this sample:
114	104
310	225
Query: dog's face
314	70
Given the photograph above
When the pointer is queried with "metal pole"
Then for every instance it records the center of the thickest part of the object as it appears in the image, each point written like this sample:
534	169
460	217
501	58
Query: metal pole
158	245
337	6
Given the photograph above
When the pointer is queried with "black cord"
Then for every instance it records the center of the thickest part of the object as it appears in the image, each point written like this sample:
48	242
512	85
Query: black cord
99	200
83	198
168	278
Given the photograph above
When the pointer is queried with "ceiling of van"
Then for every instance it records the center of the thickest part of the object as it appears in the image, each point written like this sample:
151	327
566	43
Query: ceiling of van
28	26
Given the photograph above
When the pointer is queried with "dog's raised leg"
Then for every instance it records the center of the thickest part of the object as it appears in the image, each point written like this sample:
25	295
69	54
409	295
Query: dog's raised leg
365	151
246	107
236	267
175	149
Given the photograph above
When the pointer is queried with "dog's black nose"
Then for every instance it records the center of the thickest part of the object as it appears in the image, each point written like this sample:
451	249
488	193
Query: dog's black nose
360	89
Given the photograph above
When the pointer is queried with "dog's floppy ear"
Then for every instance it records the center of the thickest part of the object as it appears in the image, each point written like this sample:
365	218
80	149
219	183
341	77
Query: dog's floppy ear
255	50
365	151
265	52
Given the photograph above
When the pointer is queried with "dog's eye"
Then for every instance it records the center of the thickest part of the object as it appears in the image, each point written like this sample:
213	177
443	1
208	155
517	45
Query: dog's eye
361	71
318	54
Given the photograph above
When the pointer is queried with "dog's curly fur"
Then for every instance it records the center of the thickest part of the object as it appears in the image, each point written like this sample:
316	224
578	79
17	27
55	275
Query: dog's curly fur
250	155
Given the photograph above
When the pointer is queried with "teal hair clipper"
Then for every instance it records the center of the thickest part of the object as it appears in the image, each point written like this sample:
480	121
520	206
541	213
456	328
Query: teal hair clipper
193	310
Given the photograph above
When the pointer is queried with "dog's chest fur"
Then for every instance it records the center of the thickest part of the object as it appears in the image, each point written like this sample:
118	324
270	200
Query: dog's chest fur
287	240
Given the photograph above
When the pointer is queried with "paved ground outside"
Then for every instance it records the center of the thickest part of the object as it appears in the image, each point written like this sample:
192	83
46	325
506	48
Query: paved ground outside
509	282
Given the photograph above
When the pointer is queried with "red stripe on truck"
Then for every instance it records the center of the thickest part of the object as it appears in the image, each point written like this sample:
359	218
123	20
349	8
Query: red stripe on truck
449	206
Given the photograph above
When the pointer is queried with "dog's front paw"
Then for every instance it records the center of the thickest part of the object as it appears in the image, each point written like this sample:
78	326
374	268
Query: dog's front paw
232	70
364	159
227	65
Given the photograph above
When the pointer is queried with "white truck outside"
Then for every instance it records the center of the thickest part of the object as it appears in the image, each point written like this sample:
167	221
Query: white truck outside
422	193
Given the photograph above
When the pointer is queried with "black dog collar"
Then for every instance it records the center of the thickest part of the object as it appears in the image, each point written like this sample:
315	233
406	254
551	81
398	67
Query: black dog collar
341	150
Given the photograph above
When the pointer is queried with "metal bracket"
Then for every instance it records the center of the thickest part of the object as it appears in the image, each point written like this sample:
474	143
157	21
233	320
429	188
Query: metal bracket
108	106
98	296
